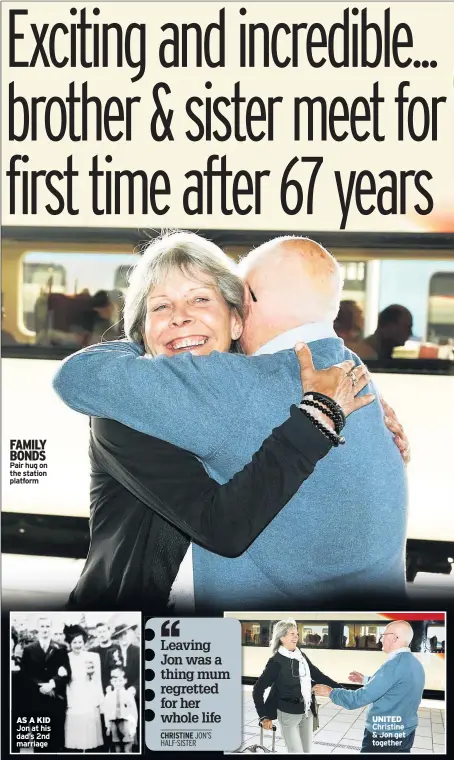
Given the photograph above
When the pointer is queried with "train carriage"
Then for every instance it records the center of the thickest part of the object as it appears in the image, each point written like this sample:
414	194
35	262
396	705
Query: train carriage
339	643
47	273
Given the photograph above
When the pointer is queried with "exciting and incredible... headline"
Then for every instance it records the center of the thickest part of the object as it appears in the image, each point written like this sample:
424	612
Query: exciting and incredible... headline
215	92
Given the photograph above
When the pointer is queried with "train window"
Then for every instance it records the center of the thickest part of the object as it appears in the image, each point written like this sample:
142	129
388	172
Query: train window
121	277
37	277
424	292
255	634
435	639
313	634
72	300
440	320
362	635
354	276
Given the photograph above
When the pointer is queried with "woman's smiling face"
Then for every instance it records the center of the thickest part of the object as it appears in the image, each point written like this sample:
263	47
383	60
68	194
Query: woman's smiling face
77	644
290	640
186	312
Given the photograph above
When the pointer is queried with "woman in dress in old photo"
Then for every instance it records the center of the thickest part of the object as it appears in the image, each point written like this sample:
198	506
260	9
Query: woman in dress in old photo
83	729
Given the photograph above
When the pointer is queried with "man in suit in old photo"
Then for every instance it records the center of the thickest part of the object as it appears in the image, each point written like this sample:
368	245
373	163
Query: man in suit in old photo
45	673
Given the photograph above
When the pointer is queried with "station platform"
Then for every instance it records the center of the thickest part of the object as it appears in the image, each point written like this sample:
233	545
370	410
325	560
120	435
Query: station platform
341	731
31	581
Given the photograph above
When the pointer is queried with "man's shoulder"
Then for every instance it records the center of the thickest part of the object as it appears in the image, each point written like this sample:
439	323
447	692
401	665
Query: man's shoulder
411	657
32	647
58	647
406	660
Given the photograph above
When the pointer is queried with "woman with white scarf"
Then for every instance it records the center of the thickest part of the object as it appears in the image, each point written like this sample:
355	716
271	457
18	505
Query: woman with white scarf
291	676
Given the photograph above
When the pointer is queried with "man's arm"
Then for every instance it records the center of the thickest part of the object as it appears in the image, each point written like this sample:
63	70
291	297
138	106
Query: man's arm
223	518
378	685
27	667
135	660
159	395
61	681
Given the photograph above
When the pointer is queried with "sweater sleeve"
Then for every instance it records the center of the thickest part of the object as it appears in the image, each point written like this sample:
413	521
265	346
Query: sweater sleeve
223	518
376	687
178	399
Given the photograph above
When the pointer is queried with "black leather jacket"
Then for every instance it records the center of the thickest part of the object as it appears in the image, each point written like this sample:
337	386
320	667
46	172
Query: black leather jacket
149	499
285	693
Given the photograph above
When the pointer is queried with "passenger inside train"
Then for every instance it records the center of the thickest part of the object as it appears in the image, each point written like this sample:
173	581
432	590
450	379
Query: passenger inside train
76	321
394	328
349	325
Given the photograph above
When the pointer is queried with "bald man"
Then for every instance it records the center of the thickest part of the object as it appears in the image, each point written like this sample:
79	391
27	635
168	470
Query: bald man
340	535
394	694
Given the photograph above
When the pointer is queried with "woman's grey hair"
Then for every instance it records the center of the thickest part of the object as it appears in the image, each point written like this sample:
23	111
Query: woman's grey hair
194	256
280	629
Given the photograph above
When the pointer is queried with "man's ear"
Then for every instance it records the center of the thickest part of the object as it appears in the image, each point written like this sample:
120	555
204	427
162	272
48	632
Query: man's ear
236	325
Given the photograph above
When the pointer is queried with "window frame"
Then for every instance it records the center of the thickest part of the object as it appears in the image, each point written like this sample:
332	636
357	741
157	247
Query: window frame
319	623
55	249
260	623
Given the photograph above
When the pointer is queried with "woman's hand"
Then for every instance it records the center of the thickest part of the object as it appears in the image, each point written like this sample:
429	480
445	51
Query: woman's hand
320	690
267	724
342	382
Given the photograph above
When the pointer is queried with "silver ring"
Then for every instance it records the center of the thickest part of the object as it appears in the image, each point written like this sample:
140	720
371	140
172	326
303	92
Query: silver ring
352	377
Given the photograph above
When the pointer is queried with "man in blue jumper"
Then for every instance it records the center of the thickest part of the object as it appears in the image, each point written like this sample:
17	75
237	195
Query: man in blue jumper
394	694
344	532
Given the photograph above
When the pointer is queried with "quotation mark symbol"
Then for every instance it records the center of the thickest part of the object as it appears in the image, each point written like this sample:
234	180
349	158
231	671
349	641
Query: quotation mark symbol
174	628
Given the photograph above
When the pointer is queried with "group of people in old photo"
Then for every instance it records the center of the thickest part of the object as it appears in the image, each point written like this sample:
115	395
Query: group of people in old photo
78	681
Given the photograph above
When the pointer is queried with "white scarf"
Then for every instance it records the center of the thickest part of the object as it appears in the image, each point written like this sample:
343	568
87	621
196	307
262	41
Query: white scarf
304	674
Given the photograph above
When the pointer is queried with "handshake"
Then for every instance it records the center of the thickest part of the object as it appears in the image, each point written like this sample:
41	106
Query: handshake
324	691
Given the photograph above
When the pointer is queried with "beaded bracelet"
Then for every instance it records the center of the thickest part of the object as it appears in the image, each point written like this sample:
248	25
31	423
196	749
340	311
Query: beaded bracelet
327	401
317	416
332	437
333	415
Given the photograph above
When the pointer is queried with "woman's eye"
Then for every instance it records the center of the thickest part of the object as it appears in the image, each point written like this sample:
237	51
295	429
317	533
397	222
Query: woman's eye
201	299
160	307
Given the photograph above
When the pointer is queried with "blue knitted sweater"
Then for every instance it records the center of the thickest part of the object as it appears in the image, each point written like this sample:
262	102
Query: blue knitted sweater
394	694
343	531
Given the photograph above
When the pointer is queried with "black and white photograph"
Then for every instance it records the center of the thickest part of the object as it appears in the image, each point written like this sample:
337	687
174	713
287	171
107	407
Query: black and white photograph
75	682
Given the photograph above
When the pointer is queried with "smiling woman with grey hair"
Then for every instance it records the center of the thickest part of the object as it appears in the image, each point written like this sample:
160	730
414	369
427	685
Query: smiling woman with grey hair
150	498
193	256
290	674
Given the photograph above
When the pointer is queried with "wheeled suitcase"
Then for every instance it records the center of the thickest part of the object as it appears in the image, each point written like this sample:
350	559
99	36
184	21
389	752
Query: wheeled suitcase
259	748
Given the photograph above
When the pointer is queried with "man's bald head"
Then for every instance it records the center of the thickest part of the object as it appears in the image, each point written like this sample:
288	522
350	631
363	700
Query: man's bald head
397	634
295	281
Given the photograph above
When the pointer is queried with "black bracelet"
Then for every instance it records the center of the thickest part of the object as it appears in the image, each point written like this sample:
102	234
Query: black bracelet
333	412
329	402
332	437
333	415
